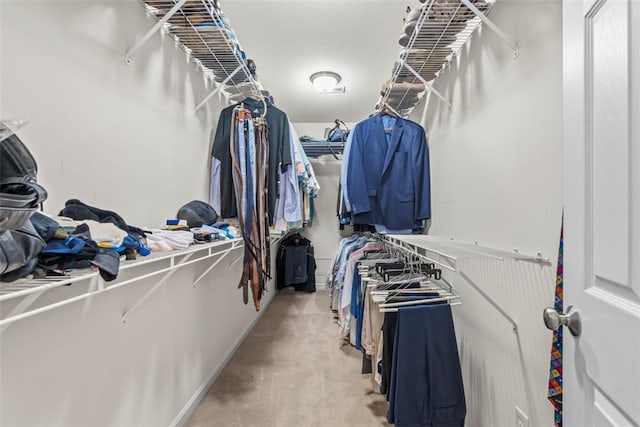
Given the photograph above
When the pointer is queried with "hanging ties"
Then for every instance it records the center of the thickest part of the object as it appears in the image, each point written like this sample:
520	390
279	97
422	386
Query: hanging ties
251	219
263	173
236	142
249	155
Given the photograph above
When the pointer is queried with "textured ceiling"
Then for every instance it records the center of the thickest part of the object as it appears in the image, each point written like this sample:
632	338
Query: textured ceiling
290	40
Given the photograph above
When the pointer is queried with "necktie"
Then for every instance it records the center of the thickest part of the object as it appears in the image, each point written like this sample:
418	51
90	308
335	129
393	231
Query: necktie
249	157
555	367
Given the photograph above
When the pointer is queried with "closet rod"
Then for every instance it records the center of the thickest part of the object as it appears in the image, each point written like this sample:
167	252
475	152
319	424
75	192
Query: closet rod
152	31
455	268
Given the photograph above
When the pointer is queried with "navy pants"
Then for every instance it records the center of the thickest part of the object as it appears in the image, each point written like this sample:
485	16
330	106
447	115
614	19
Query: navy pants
426	381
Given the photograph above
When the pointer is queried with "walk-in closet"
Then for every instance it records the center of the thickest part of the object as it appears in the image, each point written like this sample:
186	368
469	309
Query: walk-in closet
304	213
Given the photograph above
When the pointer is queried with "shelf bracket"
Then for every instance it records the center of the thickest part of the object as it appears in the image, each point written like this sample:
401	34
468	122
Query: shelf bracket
426	83
155	287
212	266
219	87
513	45
129	54
490	300
21	308
235	261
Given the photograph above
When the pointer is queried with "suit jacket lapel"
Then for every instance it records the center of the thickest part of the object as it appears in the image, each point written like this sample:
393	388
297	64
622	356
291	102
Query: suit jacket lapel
381	138
393	145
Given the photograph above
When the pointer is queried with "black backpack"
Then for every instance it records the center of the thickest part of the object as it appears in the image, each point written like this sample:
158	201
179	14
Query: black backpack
20	194
198	213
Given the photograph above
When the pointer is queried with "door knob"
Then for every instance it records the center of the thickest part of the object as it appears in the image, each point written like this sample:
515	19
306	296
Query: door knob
553	320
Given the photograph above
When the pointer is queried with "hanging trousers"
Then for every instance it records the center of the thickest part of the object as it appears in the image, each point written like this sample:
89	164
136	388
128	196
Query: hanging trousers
426	380
388	336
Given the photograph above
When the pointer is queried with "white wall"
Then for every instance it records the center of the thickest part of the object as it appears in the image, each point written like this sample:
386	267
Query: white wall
324	232
496	156
124	138
496	179
80	365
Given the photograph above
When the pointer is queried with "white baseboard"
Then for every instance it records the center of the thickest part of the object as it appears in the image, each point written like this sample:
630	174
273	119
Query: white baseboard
321	280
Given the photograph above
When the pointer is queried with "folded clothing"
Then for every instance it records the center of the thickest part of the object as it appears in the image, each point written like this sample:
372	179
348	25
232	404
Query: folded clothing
162	240
106	235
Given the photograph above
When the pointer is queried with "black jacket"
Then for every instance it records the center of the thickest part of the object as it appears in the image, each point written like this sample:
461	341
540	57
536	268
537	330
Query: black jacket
296	264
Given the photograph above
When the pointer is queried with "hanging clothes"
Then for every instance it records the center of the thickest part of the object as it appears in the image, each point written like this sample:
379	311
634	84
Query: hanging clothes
351	287
296	264
426	380
298	188
410	350
221	193
288	207
386	182
336	276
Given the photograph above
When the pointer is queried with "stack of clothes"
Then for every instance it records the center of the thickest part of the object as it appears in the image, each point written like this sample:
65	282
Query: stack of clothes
84	236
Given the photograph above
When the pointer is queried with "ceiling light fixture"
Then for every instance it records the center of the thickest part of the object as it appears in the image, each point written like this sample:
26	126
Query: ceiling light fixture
326	82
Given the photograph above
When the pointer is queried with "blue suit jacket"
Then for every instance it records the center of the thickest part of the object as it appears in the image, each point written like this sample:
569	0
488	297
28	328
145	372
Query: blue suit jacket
388	183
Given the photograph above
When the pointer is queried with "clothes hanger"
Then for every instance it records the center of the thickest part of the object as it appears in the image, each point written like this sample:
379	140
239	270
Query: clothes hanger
425	286
393	298
255	94
387	111
393	307
382	285
382	297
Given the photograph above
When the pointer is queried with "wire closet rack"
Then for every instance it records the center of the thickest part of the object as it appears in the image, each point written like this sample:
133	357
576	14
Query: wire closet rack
441	31
204	32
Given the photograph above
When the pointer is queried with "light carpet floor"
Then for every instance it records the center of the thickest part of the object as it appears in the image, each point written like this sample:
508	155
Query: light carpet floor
292	371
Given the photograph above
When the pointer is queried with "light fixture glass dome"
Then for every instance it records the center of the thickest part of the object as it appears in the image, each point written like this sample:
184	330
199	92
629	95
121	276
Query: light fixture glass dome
325	81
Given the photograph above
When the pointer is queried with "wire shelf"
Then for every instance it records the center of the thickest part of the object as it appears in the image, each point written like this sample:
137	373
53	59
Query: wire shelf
440	33
157	266
204	32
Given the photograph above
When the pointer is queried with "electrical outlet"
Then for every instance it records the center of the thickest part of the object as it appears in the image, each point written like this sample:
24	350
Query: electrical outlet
521	418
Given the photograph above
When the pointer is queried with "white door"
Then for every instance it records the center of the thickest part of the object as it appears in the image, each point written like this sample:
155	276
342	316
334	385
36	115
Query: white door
601	79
